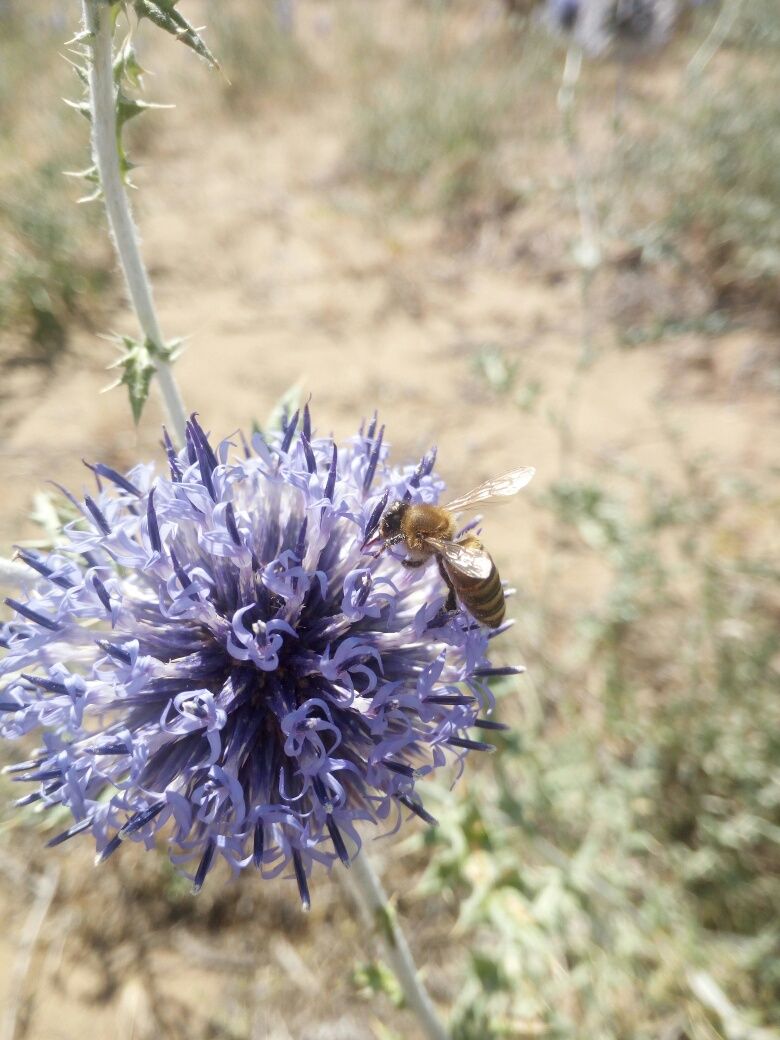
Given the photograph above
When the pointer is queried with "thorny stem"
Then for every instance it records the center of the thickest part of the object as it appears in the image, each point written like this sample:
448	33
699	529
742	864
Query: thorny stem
586	209
589	256
380	917
589	250
98	21
717	36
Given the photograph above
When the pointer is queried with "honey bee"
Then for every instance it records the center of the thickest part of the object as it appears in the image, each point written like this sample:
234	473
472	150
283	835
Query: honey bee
464	563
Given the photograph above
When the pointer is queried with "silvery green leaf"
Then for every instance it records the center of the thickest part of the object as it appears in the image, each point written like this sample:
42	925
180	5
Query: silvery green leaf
282	408
80	106
138	366
127	66
164	15
91	176
374	977
138	361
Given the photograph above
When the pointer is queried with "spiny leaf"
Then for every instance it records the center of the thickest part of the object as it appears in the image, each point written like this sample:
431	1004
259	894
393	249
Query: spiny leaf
82	71
138	361
127	108
374	977
285	405
79	39
88	174
127	73
127	67
91	176
138	367
163	14
80	106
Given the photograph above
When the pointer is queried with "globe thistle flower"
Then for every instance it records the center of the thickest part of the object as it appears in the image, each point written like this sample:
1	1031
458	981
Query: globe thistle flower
563	14
209	656
623	28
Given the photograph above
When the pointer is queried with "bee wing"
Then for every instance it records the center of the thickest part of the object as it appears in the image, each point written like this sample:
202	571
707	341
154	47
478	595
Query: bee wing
493	490
470	560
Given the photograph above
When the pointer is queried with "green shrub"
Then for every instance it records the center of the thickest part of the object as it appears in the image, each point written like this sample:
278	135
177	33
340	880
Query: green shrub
626	839
433	125
53	258
51	273
258	54
730	189
706	169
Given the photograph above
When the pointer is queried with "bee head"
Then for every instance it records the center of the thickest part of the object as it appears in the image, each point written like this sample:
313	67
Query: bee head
390	524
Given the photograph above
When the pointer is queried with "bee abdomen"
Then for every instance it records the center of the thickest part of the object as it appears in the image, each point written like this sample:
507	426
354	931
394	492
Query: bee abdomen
482	597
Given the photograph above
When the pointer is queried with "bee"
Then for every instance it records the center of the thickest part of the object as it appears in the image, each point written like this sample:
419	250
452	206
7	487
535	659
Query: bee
465	565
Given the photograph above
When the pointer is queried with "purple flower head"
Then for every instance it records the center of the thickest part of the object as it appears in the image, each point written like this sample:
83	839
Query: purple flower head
623	28
212	656
563	13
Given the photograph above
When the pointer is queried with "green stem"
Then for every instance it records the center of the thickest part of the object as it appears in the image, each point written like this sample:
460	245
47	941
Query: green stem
589	247
381	919
717	36
99	23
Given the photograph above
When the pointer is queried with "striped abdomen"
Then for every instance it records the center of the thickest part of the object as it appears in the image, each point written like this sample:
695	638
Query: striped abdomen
482	597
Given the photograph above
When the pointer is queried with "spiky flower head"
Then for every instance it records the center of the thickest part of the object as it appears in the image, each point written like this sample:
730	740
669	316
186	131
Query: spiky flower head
211	657
625	29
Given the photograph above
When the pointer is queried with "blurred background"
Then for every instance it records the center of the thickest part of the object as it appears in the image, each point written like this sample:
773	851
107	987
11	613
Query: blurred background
407	205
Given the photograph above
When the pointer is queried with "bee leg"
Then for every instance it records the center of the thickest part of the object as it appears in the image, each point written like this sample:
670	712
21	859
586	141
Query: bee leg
451	606
413	563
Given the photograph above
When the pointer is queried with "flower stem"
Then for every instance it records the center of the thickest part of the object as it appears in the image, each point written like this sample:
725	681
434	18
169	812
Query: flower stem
588	252
99	23
716	37
590	249
380	917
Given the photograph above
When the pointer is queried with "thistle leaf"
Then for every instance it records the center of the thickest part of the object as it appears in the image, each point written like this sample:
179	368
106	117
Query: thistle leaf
164	15
374	977
80	106
128	78
127	66
284	406
137	363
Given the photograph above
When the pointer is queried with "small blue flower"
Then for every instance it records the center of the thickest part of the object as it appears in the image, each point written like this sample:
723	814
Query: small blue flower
625	28
210	656
564	13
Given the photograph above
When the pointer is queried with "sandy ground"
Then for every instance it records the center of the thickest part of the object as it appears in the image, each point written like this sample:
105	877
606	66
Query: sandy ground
279	269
